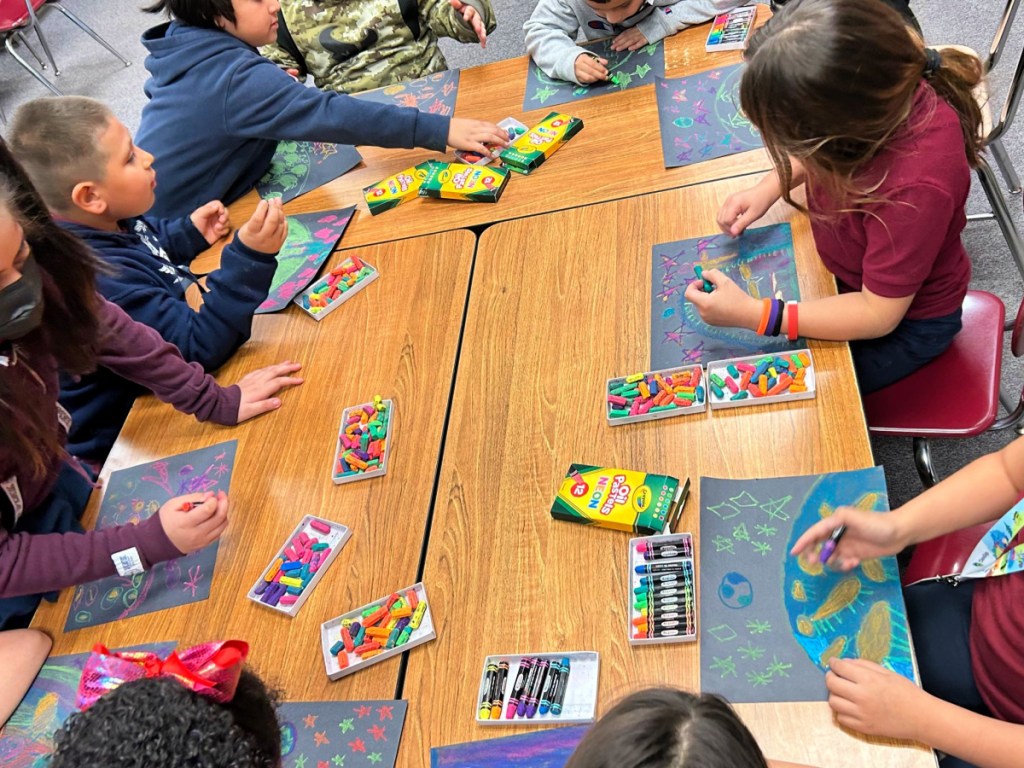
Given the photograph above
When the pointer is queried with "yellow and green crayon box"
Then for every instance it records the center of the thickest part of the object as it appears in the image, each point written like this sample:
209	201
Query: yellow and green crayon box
395	190
526	153
621	499
459	181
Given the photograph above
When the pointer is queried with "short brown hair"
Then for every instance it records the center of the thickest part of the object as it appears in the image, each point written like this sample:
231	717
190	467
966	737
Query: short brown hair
56	139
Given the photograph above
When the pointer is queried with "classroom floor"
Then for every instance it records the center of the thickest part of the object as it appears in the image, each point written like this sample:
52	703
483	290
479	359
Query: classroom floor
89	70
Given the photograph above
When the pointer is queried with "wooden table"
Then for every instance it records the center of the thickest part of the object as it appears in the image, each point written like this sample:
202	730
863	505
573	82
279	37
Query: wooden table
553	312
615	156
398	337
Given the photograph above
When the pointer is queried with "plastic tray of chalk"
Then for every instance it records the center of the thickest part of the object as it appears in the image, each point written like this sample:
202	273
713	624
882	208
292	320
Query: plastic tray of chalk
364	442
761	379
655	395
377	631
575	692
336	287
299	565
662	596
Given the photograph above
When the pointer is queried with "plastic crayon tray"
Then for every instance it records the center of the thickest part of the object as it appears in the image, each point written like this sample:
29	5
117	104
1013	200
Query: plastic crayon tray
652	382
670	593
382	467
579	704
720	368
331	636
335	536
341	291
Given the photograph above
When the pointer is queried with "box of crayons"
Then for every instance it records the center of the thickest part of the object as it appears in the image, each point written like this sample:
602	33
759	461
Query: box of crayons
397	189
299	564
730	31
655	395
364	441
662	601
538	689
459	181
761	379
339	285
527	153
375	632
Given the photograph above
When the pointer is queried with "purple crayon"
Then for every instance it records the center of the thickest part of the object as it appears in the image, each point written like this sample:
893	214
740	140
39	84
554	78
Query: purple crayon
531	680
829	547
533	695
518	687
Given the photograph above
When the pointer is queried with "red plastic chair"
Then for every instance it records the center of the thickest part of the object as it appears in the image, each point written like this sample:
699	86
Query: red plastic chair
956	394
19	16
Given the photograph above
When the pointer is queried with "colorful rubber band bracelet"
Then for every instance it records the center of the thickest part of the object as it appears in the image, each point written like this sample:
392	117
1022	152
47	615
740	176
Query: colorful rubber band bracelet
766	307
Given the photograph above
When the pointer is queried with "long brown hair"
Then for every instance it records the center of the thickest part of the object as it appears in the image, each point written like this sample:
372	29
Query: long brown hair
829	82
70	318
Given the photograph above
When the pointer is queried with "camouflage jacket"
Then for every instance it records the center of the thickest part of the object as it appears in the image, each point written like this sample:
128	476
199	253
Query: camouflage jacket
357	45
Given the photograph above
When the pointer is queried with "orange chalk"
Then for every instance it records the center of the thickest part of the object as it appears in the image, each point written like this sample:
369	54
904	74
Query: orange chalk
762	384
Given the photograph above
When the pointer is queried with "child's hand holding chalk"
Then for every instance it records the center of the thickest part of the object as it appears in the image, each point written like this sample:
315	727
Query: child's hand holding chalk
191	522
630	40
590	68
266	229
477	136
727	304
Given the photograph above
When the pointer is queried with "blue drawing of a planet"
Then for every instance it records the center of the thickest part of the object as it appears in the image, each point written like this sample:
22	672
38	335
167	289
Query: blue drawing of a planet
735	591
287	738
669	311
683	122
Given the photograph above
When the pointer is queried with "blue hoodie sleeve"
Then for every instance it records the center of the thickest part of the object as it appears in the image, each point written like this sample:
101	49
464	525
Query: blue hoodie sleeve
179	238
262	101
224	322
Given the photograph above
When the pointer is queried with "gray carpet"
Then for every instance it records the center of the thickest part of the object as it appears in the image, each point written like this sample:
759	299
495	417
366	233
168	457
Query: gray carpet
88	69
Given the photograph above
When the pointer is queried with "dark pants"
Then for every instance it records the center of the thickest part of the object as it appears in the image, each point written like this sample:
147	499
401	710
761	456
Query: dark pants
940	621
881	362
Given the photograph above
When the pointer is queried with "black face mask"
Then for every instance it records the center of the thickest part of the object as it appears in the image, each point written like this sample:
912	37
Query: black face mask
21	303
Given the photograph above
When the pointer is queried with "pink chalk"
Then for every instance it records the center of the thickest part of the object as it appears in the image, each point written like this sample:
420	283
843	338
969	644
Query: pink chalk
289	599
318	525
307	556
645	406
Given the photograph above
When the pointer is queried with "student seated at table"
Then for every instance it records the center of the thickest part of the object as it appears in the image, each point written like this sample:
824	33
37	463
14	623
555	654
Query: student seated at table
884	131
52	320
967	636
229	720
99	185
554	27
358	45
23	652
669	728
217	108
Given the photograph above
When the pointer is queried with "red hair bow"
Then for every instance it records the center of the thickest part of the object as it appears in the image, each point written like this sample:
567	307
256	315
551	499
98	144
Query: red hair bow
211	670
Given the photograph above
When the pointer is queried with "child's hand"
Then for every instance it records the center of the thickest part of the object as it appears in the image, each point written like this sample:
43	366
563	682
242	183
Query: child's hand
472	17
191	522
868	535
590	69
211	220
630	40
293	72
727	305
260	386
871	699
742	209
475	135
266	229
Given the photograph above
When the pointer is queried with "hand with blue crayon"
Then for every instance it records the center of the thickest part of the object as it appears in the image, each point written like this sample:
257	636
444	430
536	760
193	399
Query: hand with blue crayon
726	304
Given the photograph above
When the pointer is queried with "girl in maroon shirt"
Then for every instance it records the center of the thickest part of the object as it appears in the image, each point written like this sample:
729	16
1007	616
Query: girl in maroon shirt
884	132
967	638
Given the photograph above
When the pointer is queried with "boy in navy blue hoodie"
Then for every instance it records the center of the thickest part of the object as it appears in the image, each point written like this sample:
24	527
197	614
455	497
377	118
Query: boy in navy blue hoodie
98	185
217	108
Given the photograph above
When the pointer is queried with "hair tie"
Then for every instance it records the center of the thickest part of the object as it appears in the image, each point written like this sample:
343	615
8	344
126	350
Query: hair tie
211	670
932	62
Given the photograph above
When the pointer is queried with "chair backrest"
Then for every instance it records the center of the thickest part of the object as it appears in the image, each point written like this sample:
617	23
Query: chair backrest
13	15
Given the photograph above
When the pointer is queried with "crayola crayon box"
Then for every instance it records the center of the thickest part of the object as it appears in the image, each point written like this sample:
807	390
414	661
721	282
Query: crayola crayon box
621	499
395	190
529	151
458	181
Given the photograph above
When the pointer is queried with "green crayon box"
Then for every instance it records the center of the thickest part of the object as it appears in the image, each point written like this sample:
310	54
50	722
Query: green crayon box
620	499
459	181
529	151
396	189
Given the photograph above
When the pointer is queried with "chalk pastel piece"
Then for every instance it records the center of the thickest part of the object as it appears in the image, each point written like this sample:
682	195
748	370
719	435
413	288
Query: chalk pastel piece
683	598
527	153
627	406
329	536
367	274
340	459
330	632
789	386
395	190
579	704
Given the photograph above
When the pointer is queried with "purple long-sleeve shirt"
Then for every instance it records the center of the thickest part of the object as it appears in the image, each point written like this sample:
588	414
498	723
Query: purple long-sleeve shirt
29	563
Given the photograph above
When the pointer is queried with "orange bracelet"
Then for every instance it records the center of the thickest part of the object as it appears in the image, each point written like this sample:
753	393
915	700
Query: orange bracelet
792	325
765	313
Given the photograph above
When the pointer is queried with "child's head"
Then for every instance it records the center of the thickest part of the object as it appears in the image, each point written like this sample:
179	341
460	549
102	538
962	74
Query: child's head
615	11
830	81
167	724
81	158
667	728
251	21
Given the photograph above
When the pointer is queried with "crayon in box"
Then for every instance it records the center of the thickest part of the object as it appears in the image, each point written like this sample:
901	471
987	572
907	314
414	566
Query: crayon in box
396	189
620	499
458	181
530	150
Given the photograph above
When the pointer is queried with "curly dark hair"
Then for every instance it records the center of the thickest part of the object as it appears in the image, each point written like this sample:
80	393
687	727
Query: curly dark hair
158	723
